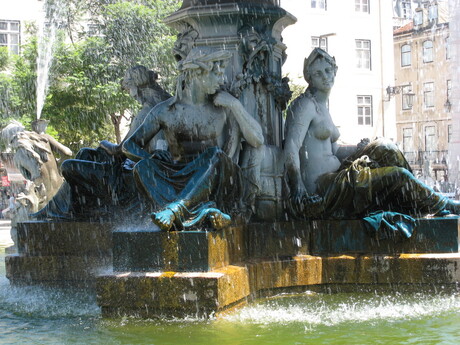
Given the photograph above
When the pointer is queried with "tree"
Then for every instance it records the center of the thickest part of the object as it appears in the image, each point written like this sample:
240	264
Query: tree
85	103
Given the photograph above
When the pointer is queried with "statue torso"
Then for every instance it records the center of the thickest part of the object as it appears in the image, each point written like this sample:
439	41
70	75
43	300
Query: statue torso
190	129
318	145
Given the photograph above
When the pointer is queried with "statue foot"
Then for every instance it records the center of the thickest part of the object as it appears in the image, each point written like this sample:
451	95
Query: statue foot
164	219
453	206
219	219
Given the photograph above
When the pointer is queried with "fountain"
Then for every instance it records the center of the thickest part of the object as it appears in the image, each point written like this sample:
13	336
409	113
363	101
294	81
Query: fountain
137	269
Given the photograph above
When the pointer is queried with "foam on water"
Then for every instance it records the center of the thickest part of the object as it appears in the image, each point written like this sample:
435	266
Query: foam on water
331	310
46	303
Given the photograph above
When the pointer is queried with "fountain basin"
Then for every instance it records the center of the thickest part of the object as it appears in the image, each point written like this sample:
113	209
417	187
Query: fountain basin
203	273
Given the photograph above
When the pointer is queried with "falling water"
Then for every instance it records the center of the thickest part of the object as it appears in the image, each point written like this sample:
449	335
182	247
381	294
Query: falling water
46	39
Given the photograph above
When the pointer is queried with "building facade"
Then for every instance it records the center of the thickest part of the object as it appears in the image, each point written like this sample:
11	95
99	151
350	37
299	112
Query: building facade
14	17
423	90
359	33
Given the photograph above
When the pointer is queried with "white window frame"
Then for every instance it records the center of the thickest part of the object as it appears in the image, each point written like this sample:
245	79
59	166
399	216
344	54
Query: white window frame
319	4
427	52
406	7
363	54
362	6
428	94
418	17
433	12
430	138
11	34
319	42
364	110
406	55
407	142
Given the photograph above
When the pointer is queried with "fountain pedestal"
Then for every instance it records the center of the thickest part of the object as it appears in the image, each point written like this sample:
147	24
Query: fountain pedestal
201	272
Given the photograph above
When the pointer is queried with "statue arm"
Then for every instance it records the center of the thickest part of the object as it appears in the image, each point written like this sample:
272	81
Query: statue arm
297	124
250	128
58	147
232	140
133	147
335	147
116	149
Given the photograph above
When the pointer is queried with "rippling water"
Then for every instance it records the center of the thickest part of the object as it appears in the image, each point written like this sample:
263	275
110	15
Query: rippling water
32	315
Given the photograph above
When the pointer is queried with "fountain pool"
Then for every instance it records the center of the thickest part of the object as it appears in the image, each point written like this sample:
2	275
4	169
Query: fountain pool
37	315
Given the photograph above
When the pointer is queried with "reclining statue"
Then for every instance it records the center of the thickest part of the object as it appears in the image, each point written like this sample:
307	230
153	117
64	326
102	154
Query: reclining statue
97	181
34	157
376	177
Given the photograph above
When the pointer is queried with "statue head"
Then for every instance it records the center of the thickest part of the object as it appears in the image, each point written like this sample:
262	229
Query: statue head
9	131
317	54
137	80
204	66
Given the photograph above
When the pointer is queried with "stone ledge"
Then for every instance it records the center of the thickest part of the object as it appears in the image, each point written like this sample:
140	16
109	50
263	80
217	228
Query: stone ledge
160	293
55	270
204	293
41	238
141	250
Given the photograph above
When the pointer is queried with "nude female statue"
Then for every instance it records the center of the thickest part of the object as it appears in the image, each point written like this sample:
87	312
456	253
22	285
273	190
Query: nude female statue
203	127
376	177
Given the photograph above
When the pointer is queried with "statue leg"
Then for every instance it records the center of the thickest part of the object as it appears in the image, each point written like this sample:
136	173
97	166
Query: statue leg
250	166
397	189
91	183
184	192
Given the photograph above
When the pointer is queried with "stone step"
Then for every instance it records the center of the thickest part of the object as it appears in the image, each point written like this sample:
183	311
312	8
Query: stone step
41	238
153	294
141	250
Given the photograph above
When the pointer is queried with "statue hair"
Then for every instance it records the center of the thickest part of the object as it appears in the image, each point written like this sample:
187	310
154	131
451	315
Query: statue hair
316	54
198	60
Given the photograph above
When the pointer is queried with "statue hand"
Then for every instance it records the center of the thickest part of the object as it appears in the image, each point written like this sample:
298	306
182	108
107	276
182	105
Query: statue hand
312	205
224	99
162	155
298	195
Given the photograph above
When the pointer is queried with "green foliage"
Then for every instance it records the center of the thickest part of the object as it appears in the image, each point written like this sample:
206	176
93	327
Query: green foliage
85	100
4	58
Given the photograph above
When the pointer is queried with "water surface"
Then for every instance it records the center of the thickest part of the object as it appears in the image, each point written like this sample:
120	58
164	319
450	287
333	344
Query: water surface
34	315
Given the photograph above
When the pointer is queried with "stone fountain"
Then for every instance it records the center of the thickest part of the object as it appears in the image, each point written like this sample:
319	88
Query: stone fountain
198	259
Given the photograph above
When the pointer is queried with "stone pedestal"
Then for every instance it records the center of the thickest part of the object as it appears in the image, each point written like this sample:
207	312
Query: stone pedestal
267	257
190	251
60	253
202	272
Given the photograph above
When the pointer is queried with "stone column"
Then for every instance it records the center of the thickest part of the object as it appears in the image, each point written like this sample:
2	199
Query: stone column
252	31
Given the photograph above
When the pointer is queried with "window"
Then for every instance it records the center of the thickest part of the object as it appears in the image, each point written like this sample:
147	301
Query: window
363	54
418	17
319	4
406	55
428	95
319	42
428	51
407	139
406	100
448	53
449	133
9	35
406	11
433	12
430	139
362	6
364	110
